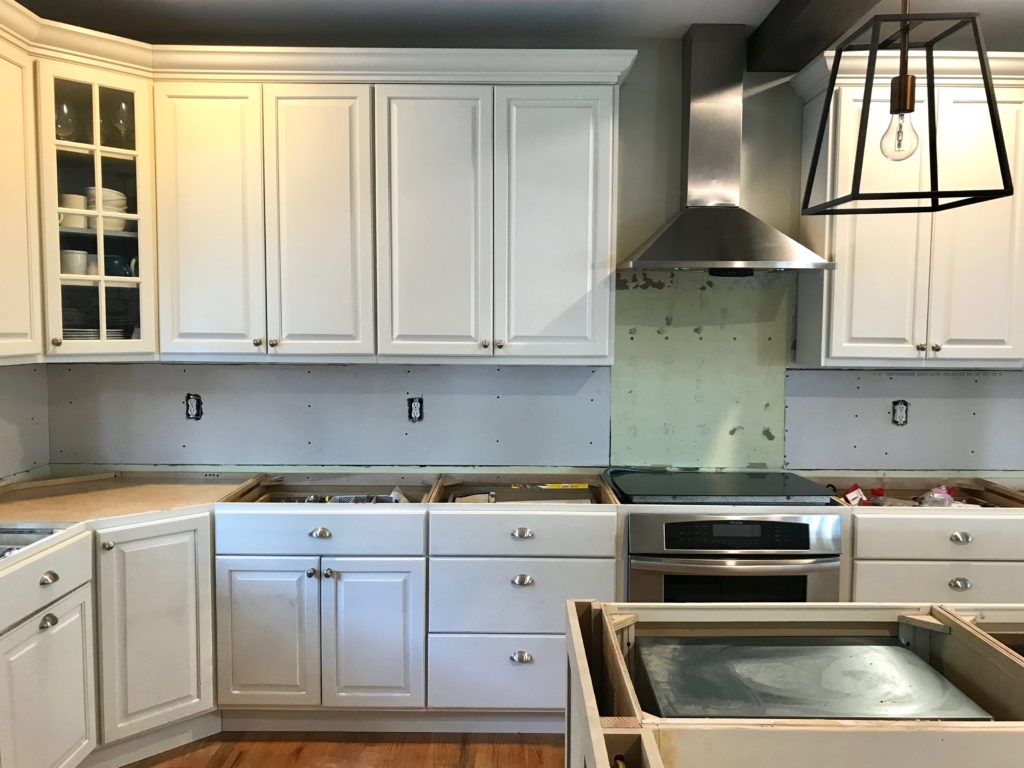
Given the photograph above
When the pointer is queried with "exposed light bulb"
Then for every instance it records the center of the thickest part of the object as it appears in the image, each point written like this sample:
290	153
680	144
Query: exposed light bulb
900	141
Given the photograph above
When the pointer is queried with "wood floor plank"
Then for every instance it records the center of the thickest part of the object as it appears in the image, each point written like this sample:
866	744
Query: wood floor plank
364	750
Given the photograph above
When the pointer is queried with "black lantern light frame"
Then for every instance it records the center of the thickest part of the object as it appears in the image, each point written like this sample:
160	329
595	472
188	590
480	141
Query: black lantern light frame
937	199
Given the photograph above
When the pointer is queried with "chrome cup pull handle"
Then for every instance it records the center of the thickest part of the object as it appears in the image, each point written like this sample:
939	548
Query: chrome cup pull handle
960	584
521	657
49	621
522	533
320	533
961	537
49	578
522	580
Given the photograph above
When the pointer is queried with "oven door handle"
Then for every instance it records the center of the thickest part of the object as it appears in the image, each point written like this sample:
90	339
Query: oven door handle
696	567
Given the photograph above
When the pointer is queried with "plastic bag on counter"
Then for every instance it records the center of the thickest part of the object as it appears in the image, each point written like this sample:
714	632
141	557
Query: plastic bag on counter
939	496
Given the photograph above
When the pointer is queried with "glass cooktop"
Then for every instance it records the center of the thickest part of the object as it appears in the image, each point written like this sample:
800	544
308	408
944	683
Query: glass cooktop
668	486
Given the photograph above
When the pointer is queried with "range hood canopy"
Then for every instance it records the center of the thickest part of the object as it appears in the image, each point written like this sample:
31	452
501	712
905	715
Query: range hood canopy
713	231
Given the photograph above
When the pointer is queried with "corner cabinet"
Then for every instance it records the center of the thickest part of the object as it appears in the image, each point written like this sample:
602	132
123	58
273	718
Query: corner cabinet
95	144
21	331
155	594
925	290
494	221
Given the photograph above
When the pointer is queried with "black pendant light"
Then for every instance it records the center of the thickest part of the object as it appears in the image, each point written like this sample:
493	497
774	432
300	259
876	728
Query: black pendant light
901	140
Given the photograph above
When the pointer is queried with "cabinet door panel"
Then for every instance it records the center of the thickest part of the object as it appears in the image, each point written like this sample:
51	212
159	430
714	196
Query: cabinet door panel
977	297
319	217
434	219
880	284
374	628
48	689
268	638
552	257
210	217
156	624
20	292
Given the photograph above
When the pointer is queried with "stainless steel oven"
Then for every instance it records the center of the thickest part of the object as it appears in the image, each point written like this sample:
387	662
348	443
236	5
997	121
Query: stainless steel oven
731	557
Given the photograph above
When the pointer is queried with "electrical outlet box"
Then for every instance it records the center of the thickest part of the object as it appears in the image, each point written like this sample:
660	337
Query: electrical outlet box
193	407
415	409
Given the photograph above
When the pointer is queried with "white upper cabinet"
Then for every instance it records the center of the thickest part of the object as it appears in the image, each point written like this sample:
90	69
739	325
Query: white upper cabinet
434	156
209	167
880	284
552	220
977	293
96	183
318	147
20	294
373	614
155	593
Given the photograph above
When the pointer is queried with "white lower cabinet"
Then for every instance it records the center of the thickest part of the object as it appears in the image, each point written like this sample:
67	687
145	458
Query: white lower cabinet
896	581
479	672
268	631
373	631
48	688
155	598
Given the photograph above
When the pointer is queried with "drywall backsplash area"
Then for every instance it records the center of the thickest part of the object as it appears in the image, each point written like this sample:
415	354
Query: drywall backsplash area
954	420
24	419
329	415
700	369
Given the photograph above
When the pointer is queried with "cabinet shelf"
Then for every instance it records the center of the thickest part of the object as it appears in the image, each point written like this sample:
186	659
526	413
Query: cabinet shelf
93	232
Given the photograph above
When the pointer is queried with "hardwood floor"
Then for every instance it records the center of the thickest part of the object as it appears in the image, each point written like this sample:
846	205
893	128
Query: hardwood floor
364	750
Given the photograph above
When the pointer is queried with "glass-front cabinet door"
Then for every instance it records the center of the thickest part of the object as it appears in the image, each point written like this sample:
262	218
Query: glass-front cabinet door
97	210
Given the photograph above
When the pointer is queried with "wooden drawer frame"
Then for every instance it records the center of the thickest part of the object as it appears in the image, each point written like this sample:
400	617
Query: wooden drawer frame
604	718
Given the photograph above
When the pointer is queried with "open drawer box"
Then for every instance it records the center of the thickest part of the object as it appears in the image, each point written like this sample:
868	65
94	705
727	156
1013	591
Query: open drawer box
969	647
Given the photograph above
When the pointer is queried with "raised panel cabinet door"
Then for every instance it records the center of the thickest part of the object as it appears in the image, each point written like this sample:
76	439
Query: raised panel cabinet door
48	687
880	284
977	295
21	296
209	168
552	220
374	632
434	158
318	161
155	594
268	631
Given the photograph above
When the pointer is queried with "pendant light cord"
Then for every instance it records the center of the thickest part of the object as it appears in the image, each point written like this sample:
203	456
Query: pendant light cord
905	40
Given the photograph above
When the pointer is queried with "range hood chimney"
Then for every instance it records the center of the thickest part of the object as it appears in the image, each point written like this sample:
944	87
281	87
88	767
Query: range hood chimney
712	231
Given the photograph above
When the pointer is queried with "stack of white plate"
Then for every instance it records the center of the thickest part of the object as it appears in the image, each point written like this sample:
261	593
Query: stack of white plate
113	202
83	334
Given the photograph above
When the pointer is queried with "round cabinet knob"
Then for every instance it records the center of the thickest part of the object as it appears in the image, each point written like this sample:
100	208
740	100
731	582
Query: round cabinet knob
257	342
273	342
521	657
49	620
56	341
936	347
499	344
922	347
960	584
522	580
311	573
320	533
522	533
108	545
48	578
485	343
961	537
328	573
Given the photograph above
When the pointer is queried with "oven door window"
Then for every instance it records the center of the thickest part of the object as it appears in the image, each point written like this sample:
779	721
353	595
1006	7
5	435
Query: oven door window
735	589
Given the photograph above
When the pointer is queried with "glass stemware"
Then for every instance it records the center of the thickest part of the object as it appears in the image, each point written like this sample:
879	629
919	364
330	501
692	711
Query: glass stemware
67	123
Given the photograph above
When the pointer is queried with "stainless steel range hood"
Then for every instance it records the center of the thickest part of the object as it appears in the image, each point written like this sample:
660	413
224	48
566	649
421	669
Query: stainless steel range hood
713	232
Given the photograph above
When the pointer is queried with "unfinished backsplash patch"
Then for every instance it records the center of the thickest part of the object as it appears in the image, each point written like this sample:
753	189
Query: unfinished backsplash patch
905	420
700	369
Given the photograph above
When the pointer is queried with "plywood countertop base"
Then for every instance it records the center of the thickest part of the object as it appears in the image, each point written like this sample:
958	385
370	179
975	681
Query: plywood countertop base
110	495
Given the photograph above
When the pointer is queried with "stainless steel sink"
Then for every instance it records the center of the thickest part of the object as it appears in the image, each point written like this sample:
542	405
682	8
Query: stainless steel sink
13	538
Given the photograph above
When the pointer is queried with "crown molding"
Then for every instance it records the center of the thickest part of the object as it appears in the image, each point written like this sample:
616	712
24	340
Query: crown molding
951	68
52	40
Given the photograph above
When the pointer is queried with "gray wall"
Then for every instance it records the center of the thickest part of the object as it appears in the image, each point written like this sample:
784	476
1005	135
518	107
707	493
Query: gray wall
332	414
24	419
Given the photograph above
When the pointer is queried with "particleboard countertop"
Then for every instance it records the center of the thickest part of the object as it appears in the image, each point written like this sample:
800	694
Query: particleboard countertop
114	494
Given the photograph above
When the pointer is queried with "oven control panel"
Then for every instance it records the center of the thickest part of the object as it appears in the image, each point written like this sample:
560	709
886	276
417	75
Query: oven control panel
737	535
